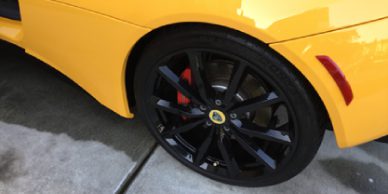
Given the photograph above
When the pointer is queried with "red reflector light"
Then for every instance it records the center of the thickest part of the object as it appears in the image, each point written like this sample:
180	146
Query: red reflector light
338	76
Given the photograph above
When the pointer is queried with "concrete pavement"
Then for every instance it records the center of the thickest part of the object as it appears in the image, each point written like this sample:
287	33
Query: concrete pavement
362	169
32	161
55	138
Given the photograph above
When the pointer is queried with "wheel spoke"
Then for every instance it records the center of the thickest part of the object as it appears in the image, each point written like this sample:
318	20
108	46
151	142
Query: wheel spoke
184	128
196	62
252	130
204	148
178	84
256	152
177	109
230	161
274	118
256	103
235	81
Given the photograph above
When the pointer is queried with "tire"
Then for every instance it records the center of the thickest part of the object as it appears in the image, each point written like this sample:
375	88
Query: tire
263	132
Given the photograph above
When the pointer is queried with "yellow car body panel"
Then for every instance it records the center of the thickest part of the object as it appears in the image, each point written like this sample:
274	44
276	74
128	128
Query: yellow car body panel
90	41
267	20
362	54
89	48
11	31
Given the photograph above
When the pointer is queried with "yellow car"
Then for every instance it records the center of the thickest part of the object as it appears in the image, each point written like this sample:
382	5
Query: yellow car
237	90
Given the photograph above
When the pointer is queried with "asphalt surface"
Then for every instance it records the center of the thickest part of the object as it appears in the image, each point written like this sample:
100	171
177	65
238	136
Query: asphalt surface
55	138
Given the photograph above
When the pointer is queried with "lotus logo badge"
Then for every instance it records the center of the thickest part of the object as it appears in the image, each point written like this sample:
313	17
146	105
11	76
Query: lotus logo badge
217	117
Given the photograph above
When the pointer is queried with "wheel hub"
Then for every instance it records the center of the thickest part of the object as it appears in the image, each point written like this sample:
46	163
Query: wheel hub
217	117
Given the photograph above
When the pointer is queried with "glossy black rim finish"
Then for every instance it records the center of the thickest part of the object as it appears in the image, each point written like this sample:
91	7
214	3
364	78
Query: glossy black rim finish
235	123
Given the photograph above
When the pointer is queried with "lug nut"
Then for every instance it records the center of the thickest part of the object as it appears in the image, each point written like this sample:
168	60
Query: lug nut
161	128
208	123
218	102
233	116
226	129
202	107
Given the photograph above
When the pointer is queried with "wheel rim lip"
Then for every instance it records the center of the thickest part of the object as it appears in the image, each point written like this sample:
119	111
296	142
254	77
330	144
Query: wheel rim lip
258	72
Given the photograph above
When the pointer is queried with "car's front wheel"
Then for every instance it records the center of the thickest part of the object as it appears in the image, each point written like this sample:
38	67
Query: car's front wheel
226	106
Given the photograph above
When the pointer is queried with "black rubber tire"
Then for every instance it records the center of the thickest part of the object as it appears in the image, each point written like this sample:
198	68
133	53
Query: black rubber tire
279	70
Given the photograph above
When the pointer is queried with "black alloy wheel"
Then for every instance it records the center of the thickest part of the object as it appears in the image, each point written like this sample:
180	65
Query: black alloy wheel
212	102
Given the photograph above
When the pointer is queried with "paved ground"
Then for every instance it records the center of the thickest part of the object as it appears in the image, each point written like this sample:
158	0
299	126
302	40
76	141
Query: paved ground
55	138
358	170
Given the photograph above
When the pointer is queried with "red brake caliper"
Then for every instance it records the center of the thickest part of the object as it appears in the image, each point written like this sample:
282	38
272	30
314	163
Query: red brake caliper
186	75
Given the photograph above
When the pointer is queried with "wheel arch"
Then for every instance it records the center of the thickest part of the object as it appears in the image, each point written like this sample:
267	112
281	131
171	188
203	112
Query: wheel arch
140	45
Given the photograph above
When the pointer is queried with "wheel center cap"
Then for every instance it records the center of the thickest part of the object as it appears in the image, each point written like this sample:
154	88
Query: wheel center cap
217	117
